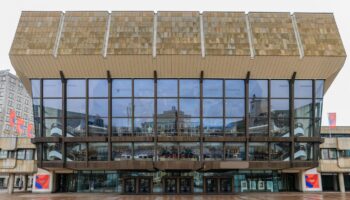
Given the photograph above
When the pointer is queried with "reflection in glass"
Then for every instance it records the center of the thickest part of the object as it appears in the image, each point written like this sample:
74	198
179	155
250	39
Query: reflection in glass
121	151
189	107
121	88
303	89
98	126
190	151
143	151
234	88
258	88
76	152
52	88
303	128
121	108
98	151
76	108
121	126
189	126
37	122
167	108
167	88
167	151
258	151
35	88
144	88
303	151
52	151
258	107
279	88
279	108
258	126
303	108
317	130
143	126
234	108
189	88
52	108
212	88
213	126
280	127
144	107
318	108
235	126
53	127
319	88
98	88
280	151
76	88
36	107
76	128
98	107
212	108
167	126
234	151
212	151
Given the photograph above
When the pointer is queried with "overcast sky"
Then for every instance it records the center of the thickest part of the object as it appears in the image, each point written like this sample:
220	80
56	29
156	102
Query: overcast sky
336	99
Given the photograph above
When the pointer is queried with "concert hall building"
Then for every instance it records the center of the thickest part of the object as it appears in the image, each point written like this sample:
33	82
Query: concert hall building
177	102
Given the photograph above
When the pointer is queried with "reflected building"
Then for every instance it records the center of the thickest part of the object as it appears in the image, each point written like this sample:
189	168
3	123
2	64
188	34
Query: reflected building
177	102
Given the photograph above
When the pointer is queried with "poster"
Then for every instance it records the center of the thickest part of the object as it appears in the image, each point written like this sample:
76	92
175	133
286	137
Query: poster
252	185
311	181
244	186
261	185
269	185
42	181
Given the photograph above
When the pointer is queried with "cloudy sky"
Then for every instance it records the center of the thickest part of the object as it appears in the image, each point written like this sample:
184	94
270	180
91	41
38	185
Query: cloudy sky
337	97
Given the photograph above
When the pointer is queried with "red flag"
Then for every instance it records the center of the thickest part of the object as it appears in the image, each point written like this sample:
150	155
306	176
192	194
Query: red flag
20	125
332	120
12	118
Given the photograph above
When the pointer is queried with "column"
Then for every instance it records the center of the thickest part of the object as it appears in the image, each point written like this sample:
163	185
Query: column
25	182
335	183
10	183
341	182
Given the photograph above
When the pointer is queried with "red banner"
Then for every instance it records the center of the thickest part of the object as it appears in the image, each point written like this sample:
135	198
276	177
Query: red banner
332	120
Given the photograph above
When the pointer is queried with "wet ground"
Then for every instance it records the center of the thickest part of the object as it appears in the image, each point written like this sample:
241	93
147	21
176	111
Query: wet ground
253	196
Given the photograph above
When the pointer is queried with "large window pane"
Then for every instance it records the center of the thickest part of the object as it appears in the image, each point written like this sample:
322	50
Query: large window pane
258	126
52	88
319	88
213	126
167	88
235	88
280	151
121	88
303	128
303	89
234	151
76	88
212	151
36	108
144	107
258	88
53	127
98	126
76	152
258	107
303	108
98	107
143	126
279	108
212	108
52	151
121	151
318	108
167	108
76	108
52	107
303	151
190	151
258	151
167	126
144	88
189	88
280	127
76	127
121	108
279	88
98	151
234	108
98	88
189	126
35	88
167	151
121	126
189	107
235	126
212	88
144	151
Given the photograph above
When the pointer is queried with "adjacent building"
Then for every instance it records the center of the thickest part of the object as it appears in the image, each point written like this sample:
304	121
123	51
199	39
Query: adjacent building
17	153
177	102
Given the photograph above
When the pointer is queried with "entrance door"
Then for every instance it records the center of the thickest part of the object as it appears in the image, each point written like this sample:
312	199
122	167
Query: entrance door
170	185
145	185
129	186
186	185
225	185
211	185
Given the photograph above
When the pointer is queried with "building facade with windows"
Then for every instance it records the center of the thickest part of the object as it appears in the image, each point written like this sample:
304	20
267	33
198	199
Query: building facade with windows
17	153
177	102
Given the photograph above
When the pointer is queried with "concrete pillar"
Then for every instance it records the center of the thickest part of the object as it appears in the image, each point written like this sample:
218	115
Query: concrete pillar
10	183
25	183
341	182
335	183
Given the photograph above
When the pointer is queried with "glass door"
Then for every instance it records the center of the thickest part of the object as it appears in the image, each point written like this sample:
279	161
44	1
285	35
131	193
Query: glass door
145	185
129	185
170	185
225	185
211	185
186	185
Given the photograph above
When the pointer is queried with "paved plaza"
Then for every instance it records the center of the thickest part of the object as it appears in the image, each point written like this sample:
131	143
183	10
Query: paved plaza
254	196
